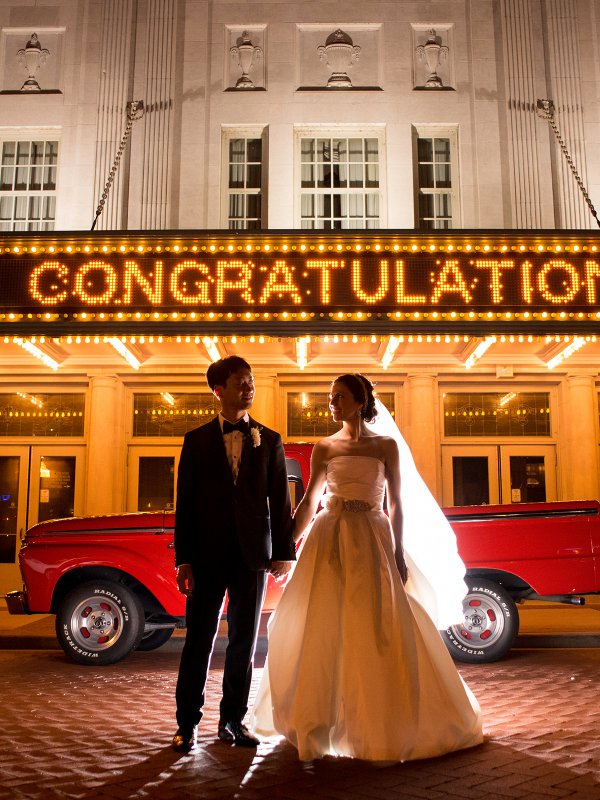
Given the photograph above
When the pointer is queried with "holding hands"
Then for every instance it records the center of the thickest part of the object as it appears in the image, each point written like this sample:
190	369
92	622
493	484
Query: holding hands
185	580
279	569
401	564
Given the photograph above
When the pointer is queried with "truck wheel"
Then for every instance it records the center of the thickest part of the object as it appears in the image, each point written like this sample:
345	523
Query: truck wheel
155	639
99	622
490	626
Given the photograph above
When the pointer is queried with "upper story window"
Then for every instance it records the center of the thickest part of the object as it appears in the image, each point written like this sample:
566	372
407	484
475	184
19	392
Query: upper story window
24	414
497	414
436	179
28	184
172	415
309	416
244	187
340	180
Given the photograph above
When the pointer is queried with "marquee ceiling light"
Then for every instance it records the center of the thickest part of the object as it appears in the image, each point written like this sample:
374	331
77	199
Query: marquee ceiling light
302	343
124	351
577	343
35	351
211	348
481	348
390	351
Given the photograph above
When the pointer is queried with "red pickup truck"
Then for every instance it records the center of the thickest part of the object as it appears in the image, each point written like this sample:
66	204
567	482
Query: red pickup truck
110	579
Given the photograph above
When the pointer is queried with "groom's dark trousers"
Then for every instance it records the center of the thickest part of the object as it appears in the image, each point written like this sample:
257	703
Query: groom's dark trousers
228	531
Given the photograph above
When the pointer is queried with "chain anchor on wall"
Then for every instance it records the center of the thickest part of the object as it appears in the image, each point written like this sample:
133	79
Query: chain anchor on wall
545	110
135	111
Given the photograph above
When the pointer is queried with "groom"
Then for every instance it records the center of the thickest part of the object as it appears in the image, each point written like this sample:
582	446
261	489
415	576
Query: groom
232	525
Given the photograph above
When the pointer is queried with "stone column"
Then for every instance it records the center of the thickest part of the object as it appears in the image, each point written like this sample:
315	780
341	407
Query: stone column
116	54
530	186
423	439
265	405
104	446
152	139
565	88
580	439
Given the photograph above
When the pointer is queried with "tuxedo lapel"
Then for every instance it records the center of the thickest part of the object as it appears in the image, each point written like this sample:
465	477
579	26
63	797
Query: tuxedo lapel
218	452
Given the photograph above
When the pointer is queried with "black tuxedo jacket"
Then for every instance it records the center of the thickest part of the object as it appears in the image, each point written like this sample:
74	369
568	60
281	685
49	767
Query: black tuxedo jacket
211	508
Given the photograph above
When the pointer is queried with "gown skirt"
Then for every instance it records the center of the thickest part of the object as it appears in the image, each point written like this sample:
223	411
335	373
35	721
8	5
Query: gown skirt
355	666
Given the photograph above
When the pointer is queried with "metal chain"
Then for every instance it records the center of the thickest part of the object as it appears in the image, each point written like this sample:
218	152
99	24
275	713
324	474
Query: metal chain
135	111
545	110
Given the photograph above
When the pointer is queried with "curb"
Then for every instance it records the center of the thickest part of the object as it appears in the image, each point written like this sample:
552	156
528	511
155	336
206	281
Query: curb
524	642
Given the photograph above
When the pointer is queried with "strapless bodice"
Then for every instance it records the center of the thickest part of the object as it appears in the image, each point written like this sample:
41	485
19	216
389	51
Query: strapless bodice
357	478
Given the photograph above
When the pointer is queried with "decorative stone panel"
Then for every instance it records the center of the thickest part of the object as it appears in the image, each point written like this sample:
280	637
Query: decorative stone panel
432	56
30	56
245	57
338	56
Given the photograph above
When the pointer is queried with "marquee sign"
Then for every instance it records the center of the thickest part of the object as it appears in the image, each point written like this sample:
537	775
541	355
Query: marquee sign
368	278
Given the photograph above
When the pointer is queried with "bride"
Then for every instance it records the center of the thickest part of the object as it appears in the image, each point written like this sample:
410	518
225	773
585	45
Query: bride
356	665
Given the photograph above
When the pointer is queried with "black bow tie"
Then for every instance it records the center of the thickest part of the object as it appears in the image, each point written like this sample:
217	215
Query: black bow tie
241	425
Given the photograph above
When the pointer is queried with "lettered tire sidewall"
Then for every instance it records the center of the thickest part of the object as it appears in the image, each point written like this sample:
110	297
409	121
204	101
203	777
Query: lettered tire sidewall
503	630
115	606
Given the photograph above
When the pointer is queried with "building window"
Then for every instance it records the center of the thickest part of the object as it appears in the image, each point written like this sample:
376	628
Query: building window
490	414
171	415
28	185
436	179
308	414
340	182
24	414
244	169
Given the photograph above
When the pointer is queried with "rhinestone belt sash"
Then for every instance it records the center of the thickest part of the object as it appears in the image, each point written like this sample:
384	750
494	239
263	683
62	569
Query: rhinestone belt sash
356	505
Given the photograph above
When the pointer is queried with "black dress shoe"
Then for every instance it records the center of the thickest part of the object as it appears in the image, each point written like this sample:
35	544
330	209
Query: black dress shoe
236	733
184	739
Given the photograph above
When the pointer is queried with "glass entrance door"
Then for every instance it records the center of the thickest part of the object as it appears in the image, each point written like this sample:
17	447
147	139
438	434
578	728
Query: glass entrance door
488	474
151	477
528	473
36	483
14	470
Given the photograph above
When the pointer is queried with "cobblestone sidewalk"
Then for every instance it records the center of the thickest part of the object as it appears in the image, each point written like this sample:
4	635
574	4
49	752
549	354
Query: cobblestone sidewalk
78	732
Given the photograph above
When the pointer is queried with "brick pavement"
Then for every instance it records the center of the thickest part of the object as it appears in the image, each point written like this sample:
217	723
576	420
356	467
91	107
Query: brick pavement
69	731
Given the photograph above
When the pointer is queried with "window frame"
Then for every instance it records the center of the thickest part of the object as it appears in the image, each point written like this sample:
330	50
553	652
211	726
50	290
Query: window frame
346	131
422	131
31	135
227	135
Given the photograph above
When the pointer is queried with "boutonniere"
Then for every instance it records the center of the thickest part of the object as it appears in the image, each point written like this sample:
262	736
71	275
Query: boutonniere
255	435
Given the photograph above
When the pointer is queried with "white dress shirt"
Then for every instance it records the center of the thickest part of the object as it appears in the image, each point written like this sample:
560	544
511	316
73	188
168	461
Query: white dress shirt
234	444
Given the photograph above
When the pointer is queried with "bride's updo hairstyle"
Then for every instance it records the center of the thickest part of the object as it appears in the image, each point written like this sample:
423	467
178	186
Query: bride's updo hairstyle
362	391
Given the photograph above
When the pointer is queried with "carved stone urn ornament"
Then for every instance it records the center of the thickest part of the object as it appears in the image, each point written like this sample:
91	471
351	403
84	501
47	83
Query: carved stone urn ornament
32	57
339	53
432	53
246	54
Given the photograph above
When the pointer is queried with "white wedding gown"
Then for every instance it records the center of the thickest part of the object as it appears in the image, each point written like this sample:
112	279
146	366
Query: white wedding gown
355	666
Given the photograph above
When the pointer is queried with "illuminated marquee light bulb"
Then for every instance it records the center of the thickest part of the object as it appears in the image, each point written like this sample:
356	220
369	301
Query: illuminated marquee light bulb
577	343
211	348
481	348
390	350
302	351
122	350
35	351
